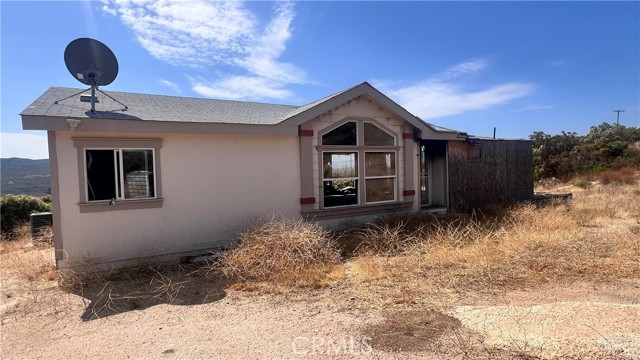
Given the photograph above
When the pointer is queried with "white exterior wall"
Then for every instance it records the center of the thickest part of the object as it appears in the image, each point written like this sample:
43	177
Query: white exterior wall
211	186
359	108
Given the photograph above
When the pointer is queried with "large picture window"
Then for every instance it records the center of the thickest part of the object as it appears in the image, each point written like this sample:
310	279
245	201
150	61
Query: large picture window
120	174
348	181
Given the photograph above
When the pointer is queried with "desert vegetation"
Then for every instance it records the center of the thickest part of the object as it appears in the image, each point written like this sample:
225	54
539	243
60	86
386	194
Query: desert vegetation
15	210
411	267
566	155
519	247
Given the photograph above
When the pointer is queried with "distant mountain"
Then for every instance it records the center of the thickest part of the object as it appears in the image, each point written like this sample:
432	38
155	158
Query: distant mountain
25	176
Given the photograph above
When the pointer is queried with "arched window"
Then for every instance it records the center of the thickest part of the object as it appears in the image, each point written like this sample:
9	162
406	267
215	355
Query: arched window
357	153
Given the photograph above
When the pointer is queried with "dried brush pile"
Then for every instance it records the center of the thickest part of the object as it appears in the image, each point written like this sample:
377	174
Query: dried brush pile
284	250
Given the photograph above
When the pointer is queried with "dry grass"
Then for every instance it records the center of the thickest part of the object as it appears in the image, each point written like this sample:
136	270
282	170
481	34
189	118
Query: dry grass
621	176
28	275
26	259
522	247
16	239
400	259
294	252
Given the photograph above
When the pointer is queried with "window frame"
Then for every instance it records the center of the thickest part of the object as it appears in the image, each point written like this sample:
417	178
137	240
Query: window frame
356	178
394	176
119	173
360	149
83	144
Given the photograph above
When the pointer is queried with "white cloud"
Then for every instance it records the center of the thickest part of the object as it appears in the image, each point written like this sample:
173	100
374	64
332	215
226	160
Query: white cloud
532	107
468	67
24	145
241	87
173	86
445	94
200	33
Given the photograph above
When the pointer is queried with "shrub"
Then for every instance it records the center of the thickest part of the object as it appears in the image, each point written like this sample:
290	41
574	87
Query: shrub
622	176
280	249
15	209
582	183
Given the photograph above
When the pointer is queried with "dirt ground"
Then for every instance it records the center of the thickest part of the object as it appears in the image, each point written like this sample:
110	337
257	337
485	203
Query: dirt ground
583	320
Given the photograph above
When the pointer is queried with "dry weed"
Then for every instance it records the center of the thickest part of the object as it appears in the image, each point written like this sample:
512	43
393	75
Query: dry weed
22	259
28	276
285	251
18	238
382	239
620	176
524	246
368	268
141	286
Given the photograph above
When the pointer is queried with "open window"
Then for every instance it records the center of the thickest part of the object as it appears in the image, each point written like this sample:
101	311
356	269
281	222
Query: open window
358	165
120	174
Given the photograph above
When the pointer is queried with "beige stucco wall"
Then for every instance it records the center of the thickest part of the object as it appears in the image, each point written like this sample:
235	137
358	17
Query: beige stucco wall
211	185
361	108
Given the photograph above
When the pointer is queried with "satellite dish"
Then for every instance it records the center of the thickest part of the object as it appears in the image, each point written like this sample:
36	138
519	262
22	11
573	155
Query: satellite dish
91	62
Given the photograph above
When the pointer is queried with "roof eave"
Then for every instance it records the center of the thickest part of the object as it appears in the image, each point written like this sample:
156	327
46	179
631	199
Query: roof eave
56	123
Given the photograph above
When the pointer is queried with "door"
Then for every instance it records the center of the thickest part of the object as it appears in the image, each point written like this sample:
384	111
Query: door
425	184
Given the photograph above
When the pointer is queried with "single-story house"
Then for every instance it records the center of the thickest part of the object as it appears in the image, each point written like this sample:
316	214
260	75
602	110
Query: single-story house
175	175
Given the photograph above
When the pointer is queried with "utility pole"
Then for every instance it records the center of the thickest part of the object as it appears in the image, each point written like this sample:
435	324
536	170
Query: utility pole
618	117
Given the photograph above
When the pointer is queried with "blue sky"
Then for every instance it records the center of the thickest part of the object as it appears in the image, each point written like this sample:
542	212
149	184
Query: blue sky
472	66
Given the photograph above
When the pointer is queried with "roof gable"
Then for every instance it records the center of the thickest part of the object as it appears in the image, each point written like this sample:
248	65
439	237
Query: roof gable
317	108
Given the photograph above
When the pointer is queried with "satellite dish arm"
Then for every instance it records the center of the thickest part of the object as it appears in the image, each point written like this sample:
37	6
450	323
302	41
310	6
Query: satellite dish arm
114	99
70	96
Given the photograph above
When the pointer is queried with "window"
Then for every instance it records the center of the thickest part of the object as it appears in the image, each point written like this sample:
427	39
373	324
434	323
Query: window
340	178
380	176
343	135
374	136
343	173
120	174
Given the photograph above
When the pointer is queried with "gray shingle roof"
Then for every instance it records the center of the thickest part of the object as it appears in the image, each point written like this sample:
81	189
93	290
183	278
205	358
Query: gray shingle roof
158	108
65	103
